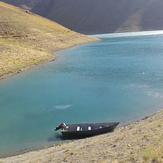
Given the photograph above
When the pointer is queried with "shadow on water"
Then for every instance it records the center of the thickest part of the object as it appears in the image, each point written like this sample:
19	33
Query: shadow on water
59	137
55	137
62	138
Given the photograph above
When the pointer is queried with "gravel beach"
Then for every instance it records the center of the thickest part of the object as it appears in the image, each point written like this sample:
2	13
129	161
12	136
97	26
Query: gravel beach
141	141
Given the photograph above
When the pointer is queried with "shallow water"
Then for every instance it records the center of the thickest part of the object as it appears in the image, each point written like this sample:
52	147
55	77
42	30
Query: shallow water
116	79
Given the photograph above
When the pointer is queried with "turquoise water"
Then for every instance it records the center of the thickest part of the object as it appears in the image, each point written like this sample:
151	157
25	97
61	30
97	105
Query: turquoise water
116	79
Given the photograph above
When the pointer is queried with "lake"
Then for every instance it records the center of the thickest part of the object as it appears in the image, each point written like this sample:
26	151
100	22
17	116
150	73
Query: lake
115	79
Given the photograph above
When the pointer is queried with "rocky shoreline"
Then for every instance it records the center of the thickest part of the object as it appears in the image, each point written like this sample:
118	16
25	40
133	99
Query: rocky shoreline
140	141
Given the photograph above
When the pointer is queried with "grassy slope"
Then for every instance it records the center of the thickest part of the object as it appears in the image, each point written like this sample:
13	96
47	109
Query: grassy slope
27	39
95	16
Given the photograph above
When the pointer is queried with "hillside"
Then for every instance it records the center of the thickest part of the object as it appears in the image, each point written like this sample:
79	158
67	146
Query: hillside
26	4
27	39
104	16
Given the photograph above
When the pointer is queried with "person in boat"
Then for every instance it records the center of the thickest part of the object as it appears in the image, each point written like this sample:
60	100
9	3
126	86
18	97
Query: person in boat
62	126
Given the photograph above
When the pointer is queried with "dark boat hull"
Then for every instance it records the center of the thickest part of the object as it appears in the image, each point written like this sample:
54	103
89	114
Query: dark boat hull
83	134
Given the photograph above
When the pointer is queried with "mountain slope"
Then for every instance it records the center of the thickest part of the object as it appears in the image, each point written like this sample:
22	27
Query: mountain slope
27	39
27	4
100	16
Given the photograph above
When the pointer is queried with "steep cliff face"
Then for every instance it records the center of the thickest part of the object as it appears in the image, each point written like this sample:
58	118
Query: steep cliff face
100	16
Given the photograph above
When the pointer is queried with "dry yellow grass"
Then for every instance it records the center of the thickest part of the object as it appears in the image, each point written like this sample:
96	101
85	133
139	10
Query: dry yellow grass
27	39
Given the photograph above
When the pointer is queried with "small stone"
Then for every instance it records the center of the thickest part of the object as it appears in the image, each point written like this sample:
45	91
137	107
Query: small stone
128	145
115	161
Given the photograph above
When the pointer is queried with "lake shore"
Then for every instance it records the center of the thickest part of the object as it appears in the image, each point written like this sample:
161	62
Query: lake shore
140	141
49	57
27	39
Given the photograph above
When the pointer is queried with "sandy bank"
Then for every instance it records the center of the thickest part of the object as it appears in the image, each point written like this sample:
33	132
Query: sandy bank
138	142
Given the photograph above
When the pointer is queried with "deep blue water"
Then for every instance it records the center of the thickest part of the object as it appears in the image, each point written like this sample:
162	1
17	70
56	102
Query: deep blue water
116	79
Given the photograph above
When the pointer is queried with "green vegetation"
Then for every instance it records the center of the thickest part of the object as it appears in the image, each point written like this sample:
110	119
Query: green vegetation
153	153
27	39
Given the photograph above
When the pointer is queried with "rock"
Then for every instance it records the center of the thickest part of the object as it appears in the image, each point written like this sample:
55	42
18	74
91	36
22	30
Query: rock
128	145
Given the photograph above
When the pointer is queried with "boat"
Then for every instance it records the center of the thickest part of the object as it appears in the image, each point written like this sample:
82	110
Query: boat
73	131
